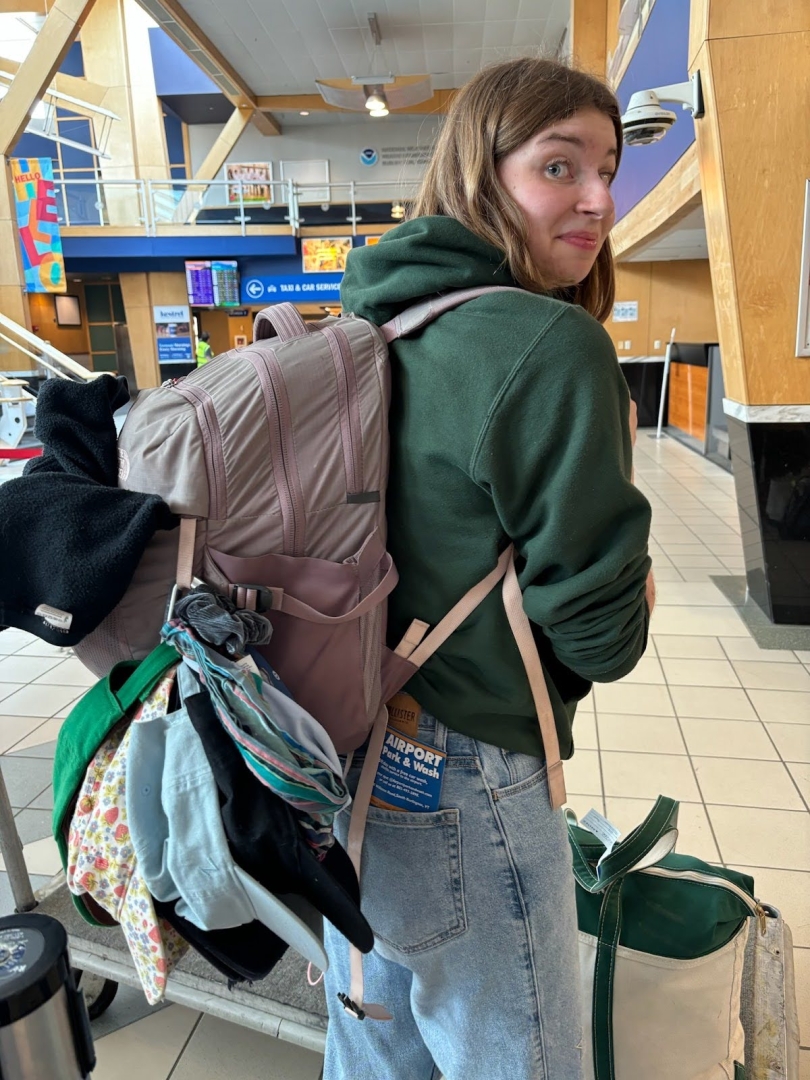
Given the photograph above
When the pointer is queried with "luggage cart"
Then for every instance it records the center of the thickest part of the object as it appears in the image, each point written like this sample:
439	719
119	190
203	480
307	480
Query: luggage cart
285	1006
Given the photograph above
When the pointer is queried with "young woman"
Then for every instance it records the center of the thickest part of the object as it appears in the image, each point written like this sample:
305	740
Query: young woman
510	423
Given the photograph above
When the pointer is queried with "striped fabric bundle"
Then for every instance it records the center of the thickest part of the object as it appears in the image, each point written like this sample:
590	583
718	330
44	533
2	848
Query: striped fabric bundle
282	745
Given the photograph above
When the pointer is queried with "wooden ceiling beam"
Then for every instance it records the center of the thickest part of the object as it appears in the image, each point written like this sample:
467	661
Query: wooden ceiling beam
90	92
34	75
266	123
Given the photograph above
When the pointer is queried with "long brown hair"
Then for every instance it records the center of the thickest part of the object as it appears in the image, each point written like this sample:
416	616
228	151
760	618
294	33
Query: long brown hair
497	111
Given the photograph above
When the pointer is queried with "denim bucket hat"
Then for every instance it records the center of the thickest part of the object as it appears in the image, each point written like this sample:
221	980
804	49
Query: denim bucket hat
179	839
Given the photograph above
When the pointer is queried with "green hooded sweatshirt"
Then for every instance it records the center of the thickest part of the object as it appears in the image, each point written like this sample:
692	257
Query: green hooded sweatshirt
509	421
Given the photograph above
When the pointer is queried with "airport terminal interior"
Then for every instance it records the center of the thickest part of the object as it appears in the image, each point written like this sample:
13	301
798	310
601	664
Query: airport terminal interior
169	168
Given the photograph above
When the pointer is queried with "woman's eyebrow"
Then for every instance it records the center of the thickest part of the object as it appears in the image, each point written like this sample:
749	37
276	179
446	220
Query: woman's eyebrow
574	140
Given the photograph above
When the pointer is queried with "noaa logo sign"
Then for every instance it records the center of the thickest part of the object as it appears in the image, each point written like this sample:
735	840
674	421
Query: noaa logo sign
254	289
369	156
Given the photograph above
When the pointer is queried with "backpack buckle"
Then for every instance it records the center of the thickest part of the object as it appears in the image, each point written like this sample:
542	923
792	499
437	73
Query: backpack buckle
350	1007
258	598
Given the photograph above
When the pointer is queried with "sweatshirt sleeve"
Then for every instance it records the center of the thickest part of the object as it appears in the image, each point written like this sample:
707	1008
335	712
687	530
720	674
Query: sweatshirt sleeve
555	454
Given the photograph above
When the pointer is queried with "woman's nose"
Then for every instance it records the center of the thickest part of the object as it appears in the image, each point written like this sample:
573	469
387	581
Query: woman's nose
596	198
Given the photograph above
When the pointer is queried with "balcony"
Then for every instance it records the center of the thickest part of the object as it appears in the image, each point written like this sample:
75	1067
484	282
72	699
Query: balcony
154	208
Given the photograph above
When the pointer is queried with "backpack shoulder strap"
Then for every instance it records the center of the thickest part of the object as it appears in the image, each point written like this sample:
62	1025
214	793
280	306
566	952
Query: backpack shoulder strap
414	318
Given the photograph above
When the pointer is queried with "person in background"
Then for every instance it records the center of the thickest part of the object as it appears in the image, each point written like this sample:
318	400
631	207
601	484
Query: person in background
510	422
204	350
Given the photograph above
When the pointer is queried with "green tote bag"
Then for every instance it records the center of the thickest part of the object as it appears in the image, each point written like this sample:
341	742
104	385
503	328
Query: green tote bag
662	943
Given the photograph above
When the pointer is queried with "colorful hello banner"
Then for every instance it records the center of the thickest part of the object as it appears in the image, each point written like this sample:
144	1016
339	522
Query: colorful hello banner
38	223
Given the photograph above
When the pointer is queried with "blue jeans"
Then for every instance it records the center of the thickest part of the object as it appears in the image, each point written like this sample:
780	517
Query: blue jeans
476	934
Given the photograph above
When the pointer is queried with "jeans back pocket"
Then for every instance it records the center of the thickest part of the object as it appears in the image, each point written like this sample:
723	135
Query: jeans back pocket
412	884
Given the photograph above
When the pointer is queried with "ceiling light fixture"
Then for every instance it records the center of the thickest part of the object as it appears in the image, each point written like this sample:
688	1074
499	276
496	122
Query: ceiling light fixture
397	211
364	91
304	112
376	100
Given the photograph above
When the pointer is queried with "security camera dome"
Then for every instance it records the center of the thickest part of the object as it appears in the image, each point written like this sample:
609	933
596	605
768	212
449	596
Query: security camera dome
646	121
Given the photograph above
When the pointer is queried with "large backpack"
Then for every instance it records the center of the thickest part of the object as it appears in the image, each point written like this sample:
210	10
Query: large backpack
275	457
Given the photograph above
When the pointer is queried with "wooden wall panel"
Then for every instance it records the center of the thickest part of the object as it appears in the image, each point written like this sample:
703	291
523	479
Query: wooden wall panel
681	296
168	288
72	340
688	389
765	17
754	160
762	86
613	9
718	236
222	328
588	28
632	283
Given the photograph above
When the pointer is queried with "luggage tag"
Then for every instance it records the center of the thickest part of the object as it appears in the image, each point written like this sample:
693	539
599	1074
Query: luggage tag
409	775
603	830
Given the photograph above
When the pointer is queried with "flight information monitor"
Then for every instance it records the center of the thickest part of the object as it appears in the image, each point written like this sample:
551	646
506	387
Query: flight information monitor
213	283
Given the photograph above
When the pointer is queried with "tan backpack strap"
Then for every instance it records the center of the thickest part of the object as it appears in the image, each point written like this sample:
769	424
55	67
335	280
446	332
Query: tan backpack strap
354	1004
521	628
185	552
456	615
414	318
524	638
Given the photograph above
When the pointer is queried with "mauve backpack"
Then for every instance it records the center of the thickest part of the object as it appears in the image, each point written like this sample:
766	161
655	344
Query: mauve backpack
275	456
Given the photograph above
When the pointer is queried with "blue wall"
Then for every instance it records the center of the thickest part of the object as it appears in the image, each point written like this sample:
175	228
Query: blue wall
258	256
661	58
175	72
73	64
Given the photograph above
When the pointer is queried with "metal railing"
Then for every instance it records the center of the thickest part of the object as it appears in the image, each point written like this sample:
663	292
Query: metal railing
153	204
45	355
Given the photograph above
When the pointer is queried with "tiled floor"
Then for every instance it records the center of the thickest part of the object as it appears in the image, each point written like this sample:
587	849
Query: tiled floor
707	717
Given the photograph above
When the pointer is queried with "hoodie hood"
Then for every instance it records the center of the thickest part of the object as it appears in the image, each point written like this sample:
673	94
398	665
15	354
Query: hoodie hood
418	259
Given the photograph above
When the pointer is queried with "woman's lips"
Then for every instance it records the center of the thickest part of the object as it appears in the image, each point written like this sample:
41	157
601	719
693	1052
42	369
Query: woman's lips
584	241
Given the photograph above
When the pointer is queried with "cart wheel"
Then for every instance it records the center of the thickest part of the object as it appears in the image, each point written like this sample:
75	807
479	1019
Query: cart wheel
98	992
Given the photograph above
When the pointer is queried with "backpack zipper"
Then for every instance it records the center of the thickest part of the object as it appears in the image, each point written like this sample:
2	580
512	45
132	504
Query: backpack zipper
351	430
203	405
285	469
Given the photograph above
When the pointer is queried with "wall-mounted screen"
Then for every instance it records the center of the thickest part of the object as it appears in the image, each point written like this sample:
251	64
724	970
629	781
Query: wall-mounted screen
68	311
213	283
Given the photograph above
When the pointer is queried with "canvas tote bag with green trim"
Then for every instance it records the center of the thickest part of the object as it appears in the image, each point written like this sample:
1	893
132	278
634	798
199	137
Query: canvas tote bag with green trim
662	944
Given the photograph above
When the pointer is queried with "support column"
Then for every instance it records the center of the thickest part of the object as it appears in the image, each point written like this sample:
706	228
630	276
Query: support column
141	293
140	324
589	27
754	158
115	42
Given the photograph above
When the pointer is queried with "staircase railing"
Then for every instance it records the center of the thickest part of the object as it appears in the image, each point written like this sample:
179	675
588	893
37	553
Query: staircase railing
45	355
